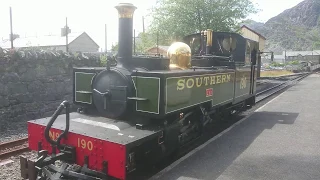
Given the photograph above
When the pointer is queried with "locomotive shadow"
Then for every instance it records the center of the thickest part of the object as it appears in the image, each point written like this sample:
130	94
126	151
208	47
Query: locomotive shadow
211	161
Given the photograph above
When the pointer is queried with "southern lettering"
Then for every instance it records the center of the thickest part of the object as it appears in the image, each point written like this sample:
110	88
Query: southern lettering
202	81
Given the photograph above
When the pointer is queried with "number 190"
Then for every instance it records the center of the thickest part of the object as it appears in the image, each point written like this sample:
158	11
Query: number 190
85	144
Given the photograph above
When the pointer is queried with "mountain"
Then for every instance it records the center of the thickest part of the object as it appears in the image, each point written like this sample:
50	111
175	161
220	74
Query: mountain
253	24
297	28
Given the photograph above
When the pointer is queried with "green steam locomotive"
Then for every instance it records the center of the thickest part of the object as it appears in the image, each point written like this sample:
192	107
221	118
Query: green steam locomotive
145	107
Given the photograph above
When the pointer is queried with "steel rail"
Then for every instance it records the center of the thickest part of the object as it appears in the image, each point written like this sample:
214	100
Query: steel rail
12	148
9	144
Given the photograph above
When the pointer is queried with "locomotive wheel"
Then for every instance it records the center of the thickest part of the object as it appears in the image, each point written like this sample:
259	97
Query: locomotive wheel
225	115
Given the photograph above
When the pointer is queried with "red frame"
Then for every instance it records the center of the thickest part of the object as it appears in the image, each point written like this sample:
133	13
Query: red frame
96	149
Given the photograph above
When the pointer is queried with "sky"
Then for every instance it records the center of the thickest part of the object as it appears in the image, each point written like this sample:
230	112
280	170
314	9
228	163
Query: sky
45	17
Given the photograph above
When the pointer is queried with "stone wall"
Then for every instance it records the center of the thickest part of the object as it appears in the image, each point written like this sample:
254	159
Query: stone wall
34	83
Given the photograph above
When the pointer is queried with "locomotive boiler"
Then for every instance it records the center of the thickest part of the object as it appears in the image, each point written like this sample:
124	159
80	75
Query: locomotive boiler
143	108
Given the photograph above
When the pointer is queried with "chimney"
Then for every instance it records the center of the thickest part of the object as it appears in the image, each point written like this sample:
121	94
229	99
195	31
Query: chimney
125	11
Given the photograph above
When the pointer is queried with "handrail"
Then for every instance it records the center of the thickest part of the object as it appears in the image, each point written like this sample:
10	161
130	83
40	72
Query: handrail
212	56
66	105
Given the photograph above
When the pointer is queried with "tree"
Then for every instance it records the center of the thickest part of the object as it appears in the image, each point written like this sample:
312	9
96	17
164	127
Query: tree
114	48
145	41
314	37
174	19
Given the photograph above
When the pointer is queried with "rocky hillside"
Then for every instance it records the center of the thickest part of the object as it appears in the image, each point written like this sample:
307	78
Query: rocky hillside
297	28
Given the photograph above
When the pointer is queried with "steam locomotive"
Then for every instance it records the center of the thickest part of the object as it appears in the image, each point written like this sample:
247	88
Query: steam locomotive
143	108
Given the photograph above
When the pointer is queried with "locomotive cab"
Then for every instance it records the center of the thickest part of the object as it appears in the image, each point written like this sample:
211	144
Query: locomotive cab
225	49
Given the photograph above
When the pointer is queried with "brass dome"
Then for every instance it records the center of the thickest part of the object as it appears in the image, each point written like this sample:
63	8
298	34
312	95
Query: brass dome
180	56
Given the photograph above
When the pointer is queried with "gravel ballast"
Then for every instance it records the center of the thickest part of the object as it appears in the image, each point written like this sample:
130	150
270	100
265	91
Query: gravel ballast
13	130
11	170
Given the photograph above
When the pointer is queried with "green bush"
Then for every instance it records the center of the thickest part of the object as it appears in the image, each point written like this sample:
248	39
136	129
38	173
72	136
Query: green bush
103	60
275	64
295	62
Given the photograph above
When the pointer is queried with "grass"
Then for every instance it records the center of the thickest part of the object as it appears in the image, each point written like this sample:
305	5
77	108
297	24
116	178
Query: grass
275	73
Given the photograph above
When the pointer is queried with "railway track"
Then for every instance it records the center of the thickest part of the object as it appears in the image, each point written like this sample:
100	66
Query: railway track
272	90
12	148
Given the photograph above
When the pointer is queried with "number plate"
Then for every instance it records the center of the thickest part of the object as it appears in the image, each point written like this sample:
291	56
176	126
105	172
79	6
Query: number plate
209	92
81	143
